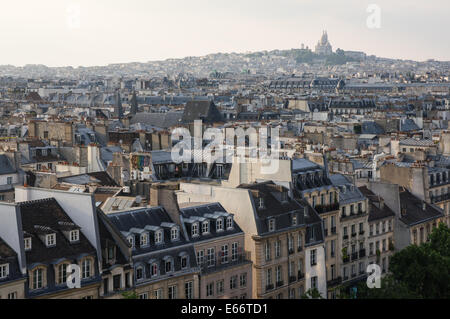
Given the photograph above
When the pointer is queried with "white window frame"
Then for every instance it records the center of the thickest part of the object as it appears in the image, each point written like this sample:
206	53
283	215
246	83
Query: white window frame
74	236
158	237
230	222
143	240
50	240
205	227
27	243
86	268
4	271
174	234
194	230
219	224
271	224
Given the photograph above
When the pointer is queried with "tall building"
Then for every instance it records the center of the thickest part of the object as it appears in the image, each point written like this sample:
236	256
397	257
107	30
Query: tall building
324	47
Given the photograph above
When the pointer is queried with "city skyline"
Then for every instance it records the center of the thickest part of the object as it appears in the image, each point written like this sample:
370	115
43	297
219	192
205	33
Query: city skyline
56	34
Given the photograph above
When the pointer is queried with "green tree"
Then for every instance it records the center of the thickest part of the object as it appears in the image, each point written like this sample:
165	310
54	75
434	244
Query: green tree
130	295
417	271
312	294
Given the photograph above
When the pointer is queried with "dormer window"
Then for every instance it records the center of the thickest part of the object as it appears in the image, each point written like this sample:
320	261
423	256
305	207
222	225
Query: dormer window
74	236
271	225
205	227
261	203
144	240
154	269
184	261
174	234
284	196
50	240
139	273
4	271
111	253
229	222
194	230
168	265
27	243
130	240
219	224
294	220
158	237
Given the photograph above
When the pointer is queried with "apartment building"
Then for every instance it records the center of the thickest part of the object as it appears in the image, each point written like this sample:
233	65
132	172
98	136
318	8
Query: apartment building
12	281
284	237
164	261
219	242
429	181
414	218
381	220
314	185
352	239
46	242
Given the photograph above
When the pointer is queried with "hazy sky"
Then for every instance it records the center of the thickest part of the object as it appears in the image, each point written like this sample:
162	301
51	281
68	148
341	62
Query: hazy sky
114	31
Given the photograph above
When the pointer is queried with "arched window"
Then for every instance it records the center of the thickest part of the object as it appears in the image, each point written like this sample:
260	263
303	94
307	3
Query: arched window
139	273
62	273
86	268
37	278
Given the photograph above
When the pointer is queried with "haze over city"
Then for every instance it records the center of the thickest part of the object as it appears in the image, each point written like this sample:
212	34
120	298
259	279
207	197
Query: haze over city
53	33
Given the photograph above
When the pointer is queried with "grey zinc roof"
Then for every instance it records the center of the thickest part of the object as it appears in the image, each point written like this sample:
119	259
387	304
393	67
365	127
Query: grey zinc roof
5	166
162	120
303	164
414	142
350	194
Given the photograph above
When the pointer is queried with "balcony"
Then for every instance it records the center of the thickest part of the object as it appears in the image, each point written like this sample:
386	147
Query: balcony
362	253
218	266
361	232
333	230
354	256
345	237
325	231
292	279
353	235
345	259
291	251
280	283
334	282
269	287
300	276
321	209
440	198
299	249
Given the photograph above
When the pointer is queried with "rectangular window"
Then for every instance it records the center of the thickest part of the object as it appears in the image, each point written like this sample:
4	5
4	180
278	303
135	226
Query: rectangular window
51	240
277	249
4	271
220	287
211	257
224	257
200	257
267	251
233	282
12	295
143	296
158	293
313	257
172	292
243	280
314	282
234	251
194	230
210	289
